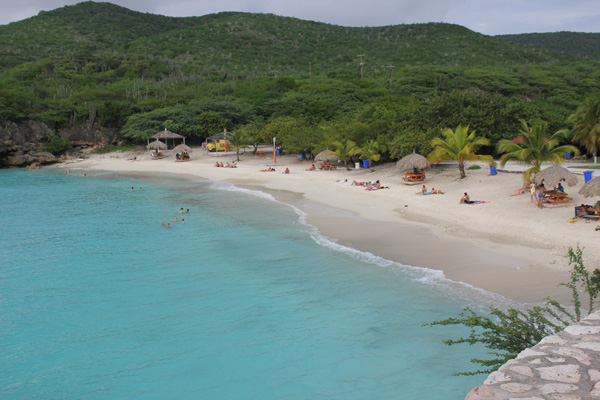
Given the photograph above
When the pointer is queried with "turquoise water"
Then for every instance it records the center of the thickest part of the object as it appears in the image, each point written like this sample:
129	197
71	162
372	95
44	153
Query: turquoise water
243	301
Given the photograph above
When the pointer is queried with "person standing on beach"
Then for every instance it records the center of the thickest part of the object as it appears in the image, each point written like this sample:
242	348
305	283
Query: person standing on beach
532	190
541	192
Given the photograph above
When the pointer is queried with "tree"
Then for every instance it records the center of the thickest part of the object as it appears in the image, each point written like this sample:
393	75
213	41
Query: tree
586	123
535	147
370	151
345	151
237	141
459	145
510	332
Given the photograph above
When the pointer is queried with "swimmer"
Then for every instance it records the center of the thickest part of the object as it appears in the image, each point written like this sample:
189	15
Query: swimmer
168	224
187	210
140	188
164	223
182	221
132	189
175	219
181	210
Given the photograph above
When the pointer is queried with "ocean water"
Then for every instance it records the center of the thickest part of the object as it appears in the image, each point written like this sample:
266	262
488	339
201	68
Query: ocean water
244	301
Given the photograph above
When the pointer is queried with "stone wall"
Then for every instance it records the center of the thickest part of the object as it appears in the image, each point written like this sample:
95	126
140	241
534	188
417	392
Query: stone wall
565	366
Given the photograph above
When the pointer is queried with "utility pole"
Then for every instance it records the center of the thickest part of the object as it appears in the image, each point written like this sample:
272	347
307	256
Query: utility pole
390	80
360	66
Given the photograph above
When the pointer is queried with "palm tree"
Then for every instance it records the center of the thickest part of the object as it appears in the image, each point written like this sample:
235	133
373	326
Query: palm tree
535	147
370	151
586	123
345	151
459	145
237	141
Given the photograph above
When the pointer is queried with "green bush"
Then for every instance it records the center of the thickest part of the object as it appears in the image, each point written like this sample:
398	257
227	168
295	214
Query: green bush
56	145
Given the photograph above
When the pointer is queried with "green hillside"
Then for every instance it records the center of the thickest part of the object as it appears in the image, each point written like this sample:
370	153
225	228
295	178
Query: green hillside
586	45
259	42
97	63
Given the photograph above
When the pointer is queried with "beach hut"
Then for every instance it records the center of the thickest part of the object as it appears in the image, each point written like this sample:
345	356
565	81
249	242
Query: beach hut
413	166
553	175
166	135
327	156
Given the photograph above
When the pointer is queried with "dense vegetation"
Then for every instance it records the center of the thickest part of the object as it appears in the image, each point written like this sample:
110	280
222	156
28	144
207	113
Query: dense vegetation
579	44
98	63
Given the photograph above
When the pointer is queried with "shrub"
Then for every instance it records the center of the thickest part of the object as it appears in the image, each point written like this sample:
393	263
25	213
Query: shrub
56	145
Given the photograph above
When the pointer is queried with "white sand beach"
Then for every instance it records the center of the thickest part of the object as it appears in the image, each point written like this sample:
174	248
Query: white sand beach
507	246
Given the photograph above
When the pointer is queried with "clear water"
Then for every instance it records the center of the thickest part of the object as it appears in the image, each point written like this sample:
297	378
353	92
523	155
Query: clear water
243	301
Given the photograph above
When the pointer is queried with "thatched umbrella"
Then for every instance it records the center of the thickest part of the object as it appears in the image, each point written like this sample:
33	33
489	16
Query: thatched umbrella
327	156
182	148
413	161
157	144
553	175
591	189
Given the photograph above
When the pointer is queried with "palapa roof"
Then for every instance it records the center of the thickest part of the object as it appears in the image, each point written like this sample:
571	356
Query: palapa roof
166	135
412	161
220	136
553	175
591	189
182	148
327	156
157	144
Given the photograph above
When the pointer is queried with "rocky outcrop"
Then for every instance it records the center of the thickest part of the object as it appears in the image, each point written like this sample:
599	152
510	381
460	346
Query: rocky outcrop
565	366
21	144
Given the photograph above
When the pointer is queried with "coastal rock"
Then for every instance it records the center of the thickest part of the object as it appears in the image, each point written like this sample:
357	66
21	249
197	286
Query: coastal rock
21	143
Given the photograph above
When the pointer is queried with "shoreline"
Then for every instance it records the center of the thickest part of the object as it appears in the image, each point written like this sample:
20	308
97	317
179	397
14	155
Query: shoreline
507	247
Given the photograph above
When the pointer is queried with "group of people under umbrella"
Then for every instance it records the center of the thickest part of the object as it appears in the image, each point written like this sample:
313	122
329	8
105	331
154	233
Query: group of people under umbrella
182	151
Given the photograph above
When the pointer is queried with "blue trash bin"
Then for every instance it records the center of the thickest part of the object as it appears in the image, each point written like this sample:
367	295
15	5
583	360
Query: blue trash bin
567	155
302	156
278	152
587	175
492	170
366	164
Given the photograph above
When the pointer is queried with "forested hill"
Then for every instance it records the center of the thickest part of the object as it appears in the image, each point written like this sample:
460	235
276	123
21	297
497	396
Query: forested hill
575	43
100	65
247	44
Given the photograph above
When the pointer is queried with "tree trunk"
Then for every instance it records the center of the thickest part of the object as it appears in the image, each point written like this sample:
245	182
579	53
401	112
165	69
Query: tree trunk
461	168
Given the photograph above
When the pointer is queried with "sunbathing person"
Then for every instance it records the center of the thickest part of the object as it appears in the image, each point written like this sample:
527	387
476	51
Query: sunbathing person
312	168
268	170
465	199
287	171
217	164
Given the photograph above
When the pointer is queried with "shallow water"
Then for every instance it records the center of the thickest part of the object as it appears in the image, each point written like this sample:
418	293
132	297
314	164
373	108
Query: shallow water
243	301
